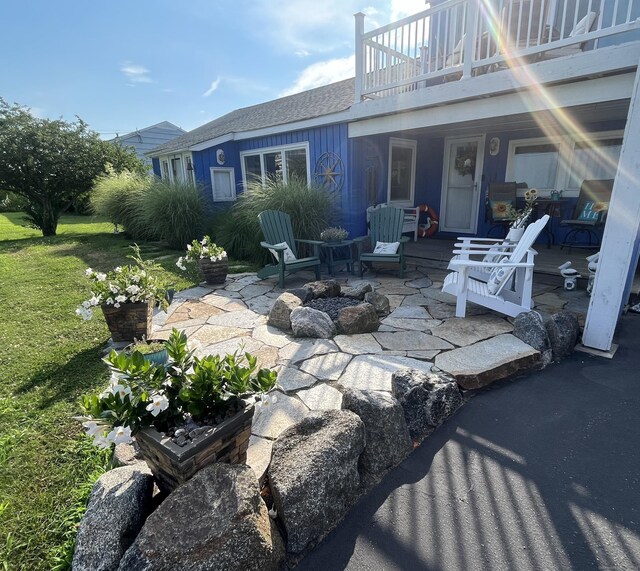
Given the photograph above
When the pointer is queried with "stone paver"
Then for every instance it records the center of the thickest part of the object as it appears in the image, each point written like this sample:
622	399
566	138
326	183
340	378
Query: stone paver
373	372
321	397
410	341
280	413
409	313
302	349
359	344
327	367
244	318
259	455
469	330
411	324
271	336
291	379
209	334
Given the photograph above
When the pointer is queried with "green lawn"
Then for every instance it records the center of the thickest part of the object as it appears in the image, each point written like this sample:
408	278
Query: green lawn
48	358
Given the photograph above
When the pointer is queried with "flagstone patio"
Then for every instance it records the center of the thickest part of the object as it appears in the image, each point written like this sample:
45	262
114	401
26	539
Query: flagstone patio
421	331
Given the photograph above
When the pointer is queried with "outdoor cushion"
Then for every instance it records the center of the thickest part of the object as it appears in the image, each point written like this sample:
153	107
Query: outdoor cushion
498	276
288	254
496	253
588	213
584	25
500	209
386	247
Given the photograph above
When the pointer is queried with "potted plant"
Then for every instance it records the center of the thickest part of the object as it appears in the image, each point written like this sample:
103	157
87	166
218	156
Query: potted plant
211	259
127	296
521	217
152	351
185	414
334	234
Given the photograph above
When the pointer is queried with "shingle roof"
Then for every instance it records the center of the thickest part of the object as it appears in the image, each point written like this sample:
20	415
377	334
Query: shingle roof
310	104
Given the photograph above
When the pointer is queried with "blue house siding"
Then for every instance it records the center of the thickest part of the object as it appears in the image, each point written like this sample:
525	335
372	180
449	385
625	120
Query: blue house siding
204	160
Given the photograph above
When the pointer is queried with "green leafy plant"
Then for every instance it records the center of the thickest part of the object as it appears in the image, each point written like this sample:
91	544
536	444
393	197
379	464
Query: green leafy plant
311	207
145	347
334	234
187	388
132	283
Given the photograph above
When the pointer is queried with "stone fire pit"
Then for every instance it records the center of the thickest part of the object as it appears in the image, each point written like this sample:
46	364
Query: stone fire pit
323	309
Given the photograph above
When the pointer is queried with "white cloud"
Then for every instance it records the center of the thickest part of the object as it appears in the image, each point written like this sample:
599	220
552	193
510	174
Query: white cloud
214	85
136	73
322	73
402	8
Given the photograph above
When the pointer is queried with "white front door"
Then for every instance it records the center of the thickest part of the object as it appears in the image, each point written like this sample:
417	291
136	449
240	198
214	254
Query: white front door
461	184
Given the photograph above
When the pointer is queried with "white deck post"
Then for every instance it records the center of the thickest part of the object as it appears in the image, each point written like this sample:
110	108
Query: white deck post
618	253
469	39
359	56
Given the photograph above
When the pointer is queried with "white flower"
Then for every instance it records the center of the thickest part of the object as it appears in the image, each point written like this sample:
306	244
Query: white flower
120	435
121	298
189	247
92	427
86	304
121	390
84	312
88	271
133	289
101	277
158	403
101	441
95	300
118	269
135	278
180	264
109	301
113	288
116	378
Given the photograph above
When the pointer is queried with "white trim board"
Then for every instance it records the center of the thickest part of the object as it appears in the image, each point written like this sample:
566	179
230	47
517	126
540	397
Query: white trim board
557	97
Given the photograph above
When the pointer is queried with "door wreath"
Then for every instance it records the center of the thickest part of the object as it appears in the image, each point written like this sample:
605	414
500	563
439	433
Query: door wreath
466	159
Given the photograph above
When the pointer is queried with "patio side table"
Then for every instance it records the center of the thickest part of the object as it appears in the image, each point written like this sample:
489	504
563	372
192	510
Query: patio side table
338	253
552	207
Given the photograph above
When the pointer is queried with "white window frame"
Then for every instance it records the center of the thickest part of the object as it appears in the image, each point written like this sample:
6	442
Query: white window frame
405	144
232	176
187	176
566	149
282	148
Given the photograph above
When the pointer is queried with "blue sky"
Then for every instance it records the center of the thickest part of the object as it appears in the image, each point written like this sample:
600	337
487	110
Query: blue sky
123	65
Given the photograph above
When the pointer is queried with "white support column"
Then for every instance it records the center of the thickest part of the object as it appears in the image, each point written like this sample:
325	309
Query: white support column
359	53
618	253
469	39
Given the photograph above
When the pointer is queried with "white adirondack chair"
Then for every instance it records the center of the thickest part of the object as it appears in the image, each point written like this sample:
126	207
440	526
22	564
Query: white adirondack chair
496	291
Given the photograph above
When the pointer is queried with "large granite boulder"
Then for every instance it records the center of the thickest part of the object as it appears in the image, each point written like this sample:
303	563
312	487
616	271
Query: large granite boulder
304	293
386	433
563	329
118	505
380	302
427	399
358	291
324	288
216	520
529	327
280	314
361	318
309	322
314	474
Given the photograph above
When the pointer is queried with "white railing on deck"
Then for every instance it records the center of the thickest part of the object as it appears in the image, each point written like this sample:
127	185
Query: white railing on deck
468	37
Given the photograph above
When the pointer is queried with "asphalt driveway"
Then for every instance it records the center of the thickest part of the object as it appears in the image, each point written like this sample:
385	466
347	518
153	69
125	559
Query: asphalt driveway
541	472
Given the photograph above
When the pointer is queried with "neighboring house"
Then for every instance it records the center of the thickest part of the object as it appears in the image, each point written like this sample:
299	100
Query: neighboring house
144	140
443	103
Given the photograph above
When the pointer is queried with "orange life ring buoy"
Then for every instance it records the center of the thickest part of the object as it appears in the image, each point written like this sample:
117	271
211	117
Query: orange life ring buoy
427	230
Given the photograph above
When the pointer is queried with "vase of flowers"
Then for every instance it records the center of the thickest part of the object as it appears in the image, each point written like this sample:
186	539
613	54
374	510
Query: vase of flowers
521	217
185	414
127	296
212	260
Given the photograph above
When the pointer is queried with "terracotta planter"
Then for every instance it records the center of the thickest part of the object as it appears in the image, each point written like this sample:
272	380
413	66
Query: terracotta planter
214	272
130	321
173	465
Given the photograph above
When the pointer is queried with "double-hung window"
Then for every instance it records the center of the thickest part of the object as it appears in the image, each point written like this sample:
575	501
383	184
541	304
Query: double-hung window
536	162
281	163
595	158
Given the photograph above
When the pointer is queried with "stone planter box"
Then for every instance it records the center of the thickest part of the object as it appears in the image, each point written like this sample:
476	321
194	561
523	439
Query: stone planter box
214	272
128	322
173	465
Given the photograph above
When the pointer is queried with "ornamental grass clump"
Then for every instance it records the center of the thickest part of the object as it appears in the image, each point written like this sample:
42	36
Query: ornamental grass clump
184	391
201	250
134	283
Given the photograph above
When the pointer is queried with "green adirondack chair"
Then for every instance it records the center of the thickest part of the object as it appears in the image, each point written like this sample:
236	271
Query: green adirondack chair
278	233
385	225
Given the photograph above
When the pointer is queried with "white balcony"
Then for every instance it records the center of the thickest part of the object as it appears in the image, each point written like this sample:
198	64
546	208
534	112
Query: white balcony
468	38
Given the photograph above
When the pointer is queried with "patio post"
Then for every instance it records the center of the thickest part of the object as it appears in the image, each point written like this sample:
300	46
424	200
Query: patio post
359	56
469	39
621	239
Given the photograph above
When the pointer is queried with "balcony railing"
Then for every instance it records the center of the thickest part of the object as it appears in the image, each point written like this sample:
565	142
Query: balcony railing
463	38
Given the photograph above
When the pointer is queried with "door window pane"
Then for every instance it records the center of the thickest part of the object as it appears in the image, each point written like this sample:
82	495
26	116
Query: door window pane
401	174
252	167
296	164
273	164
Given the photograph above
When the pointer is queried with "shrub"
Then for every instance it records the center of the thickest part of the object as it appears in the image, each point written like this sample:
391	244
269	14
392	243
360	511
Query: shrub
122	199
176	212
311	208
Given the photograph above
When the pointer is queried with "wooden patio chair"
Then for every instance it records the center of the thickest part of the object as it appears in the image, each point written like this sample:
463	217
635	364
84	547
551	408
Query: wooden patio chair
498	292
589	214
385	233
279	240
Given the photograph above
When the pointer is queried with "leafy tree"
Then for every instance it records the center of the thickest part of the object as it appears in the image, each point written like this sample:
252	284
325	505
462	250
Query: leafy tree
51	163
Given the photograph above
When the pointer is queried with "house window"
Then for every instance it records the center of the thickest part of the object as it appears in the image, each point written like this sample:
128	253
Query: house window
279	162
535	163
223	184
165	170
402	169
595	159
176	169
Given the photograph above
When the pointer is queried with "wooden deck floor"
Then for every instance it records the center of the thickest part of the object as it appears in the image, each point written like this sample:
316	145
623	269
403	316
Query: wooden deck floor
437	252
